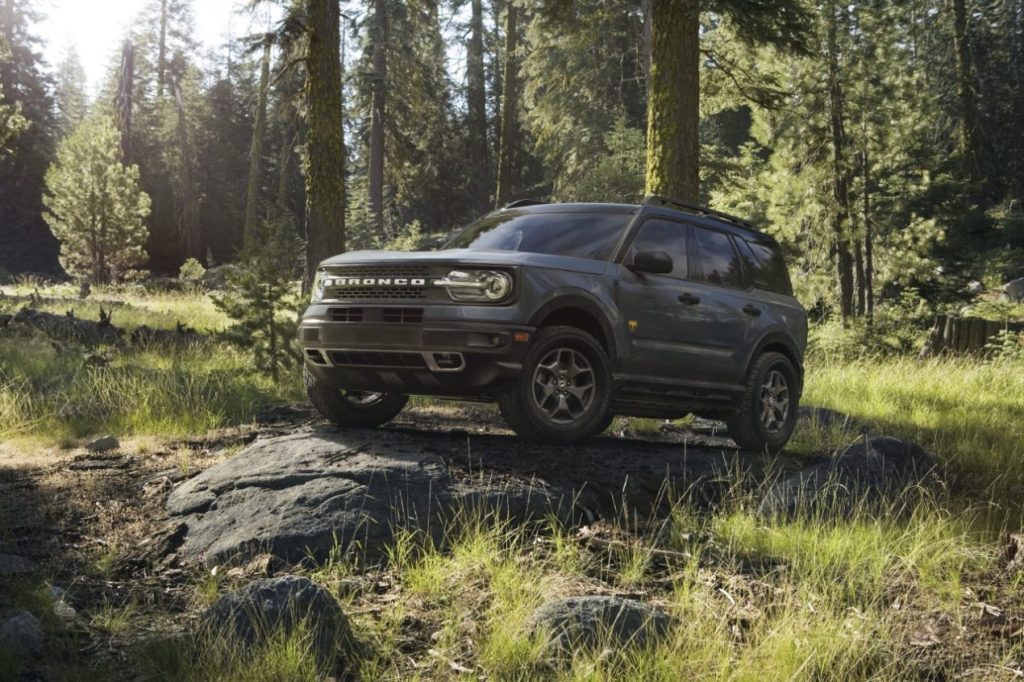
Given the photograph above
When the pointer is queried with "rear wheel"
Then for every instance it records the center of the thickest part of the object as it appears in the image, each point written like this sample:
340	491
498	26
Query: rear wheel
353	409
562	393
767	414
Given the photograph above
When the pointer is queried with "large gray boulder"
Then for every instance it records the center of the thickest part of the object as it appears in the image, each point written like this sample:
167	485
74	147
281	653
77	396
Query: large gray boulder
1014	290
589	621
868	474
300	495
274	607
21	633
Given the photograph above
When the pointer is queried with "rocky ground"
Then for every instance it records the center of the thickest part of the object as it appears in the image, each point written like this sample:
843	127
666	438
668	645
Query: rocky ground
134	529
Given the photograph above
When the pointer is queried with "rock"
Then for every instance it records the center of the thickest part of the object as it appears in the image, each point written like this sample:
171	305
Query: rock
975	287
12	565
1013	552
274	606
21	633
300	495
104	444
217	276
589	621
1014	290
870	473
61	607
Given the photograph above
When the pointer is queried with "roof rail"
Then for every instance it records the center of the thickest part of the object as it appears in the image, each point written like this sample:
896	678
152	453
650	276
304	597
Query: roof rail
524	202
696	209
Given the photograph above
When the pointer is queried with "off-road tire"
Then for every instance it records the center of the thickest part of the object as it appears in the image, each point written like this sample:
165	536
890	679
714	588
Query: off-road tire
520	408
333	404
746	427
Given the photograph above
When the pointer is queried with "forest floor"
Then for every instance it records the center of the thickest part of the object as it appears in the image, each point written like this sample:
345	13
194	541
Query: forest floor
926	593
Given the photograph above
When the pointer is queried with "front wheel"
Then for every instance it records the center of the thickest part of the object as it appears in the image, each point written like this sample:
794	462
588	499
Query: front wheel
767	414
562	393
352	409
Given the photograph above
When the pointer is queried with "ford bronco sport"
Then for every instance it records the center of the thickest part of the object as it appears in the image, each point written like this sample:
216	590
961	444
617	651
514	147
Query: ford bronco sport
566	315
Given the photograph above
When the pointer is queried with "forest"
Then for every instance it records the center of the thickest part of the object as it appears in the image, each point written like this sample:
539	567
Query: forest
172	506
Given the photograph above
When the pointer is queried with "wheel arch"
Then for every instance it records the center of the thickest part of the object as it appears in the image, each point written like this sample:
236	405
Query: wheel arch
778	342
576	310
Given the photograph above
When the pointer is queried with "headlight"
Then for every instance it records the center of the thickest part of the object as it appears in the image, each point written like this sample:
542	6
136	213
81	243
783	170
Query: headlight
489	286
317	293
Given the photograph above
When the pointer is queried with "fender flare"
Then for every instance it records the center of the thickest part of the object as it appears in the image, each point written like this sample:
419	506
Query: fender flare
580	301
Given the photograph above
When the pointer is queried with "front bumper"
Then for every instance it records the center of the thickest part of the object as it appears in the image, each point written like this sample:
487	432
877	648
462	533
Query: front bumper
463	357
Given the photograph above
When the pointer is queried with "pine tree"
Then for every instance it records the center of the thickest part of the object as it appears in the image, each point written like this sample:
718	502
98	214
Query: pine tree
324	162
94	204
69	93
509	132
259	132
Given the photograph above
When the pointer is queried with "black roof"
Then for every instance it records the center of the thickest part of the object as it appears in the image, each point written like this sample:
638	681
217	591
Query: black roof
696	213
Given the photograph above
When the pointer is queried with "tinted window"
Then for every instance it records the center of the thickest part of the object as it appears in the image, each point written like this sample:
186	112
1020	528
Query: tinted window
662	235
583	235
718	258
767	268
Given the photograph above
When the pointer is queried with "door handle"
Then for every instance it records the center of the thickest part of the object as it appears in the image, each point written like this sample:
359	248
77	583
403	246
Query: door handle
752	310
689	299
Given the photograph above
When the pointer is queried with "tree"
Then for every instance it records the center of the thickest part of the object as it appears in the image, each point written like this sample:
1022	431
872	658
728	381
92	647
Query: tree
324	162
378	112
508	140
69	93
94	204
477	148
25	241
12	123
259	132
673	111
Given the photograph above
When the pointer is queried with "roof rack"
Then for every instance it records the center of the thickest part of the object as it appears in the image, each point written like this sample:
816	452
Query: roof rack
655	200
524	202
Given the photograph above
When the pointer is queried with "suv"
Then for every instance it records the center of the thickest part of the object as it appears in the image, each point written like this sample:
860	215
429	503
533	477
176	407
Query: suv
566	315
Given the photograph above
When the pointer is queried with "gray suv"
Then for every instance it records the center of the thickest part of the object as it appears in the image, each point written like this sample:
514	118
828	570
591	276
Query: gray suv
566	315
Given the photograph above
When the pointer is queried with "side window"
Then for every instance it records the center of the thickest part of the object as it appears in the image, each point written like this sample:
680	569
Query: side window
662	235
718	259
768	268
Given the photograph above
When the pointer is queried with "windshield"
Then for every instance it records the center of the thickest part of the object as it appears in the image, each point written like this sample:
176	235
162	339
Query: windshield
581	235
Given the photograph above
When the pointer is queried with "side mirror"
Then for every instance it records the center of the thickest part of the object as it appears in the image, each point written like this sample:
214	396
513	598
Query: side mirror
653	262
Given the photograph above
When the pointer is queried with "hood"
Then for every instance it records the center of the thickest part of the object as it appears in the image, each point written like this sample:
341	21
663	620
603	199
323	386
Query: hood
468	257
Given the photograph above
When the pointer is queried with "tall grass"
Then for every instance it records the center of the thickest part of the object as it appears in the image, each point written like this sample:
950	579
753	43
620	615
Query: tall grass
52	395
968	412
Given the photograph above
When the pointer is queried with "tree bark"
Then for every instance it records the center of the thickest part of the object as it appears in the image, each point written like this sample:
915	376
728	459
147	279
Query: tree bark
673	100
967	129
840	173
161	59
125	95
476	101
509	107
869	246
259	131
325	142
378	112
189	222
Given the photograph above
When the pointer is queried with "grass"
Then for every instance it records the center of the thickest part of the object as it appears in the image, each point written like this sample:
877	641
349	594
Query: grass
52	394
835	599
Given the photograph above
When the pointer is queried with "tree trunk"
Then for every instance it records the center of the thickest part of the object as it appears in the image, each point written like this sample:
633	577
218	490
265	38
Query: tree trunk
161	59
288	139
509	107
378	106
967	129
858	263
259	130
840	174
673	100
476	102
325	141
188	225
869	256
645	9
125	93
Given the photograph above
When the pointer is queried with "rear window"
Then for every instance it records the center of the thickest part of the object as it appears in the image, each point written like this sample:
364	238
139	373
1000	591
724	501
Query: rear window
767	268
581	235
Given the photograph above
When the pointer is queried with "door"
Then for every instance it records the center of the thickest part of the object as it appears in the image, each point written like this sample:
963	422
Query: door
662	312
731	308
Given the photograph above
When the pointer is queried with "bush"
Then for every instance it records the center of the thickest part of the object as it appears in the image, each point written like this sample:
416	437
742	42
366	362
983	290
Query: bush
191	273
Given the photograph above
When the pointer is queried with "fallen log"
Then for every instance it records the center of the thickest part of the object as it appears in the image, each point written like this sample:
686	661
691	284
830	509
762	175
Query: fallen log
68	328
952	335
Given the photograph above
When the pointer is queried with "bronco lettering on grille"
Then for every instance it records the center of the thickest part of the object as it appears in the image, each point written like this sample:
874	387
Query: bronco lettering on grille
378	281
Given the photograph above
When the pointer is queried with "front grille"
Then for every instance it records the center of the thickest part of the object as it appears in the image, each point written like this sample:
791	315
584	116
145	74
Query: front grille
379	292
346	314
378	359
403	315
